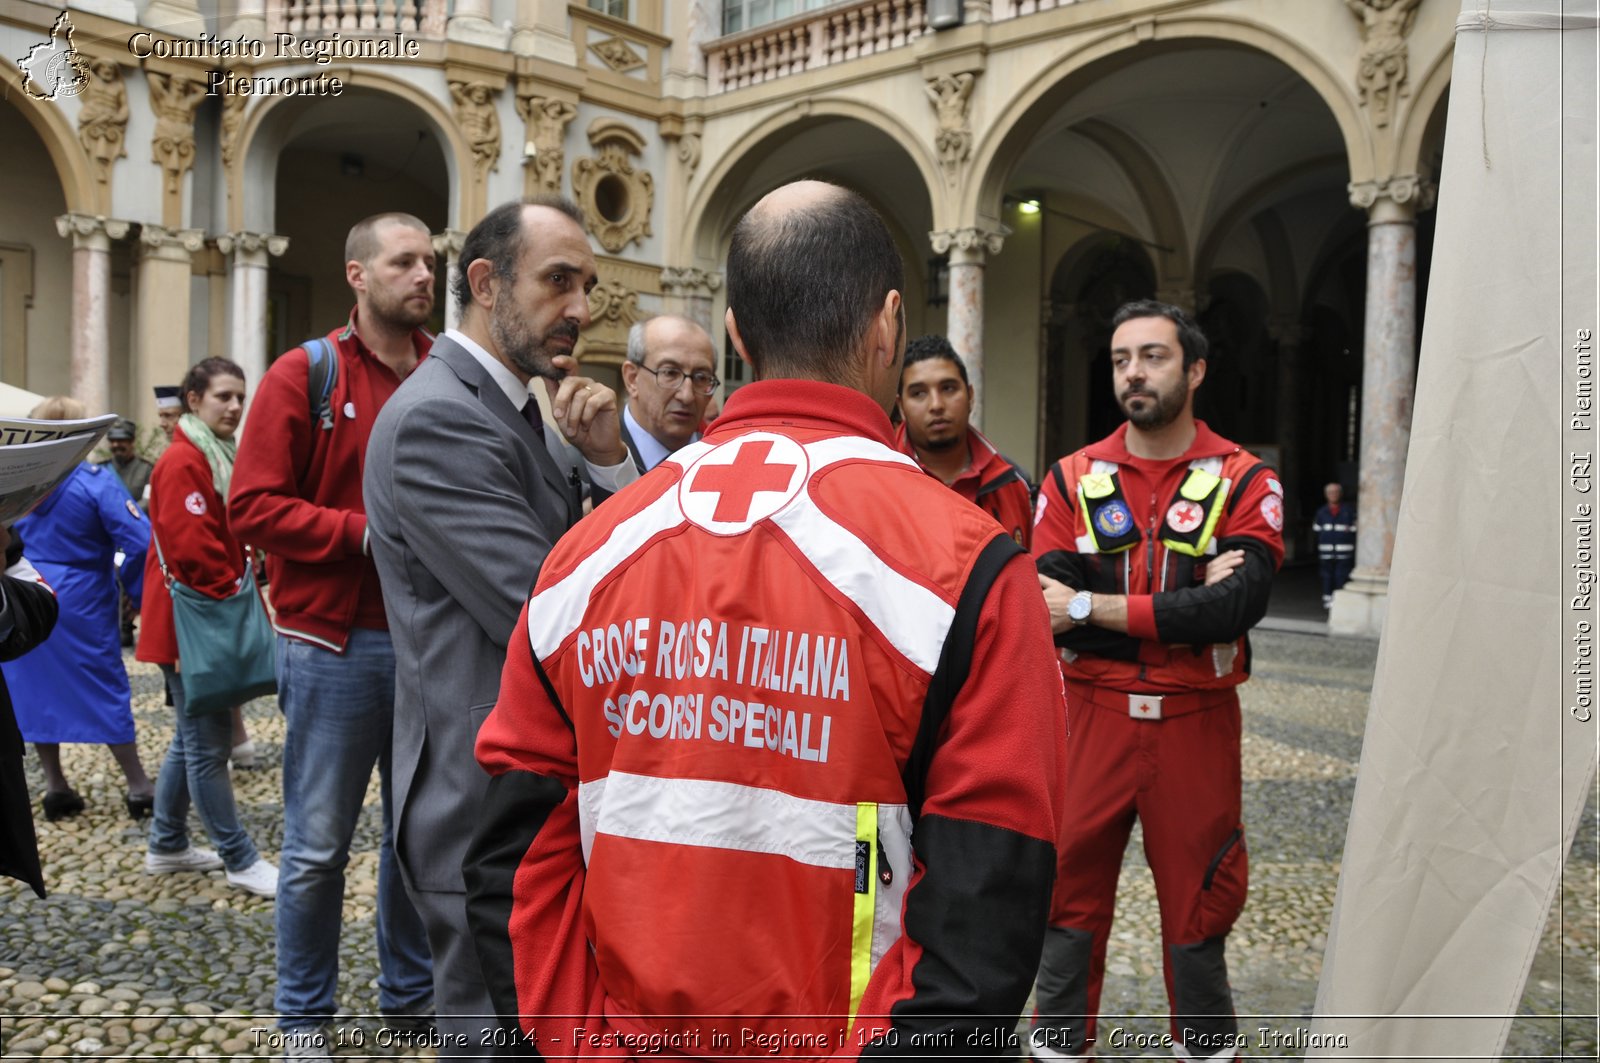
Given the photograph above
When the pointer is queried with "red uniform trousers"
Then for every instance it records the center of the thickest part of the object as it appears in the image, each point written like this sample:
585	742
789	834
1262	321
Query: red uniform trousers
1180	776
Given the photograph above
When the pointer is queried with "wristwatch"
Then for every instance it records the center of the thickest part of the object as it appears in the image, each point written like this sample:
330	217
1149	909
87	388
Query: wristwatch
1079	608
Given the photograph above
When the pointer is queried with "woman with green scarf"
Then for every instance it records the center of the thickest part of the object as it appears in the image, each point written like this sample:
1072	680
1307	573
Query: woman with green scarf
188	516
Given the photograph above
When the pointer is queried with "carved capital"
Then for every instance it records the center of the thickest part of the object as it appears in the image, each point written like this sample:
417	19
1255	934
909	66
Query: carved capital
974	243
448	244
615	194
174	100
1406	190
158	241
91	230
252	248
690	281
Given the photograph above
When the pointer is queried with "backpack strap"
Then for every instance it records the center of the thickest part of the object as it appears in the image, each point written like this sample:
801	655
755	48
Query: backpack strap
322	372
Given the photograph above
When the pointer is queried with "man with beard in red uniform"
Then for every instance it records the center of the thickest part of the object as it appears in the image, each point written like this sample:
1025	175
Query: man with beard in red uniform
774	760
1156	548
935	407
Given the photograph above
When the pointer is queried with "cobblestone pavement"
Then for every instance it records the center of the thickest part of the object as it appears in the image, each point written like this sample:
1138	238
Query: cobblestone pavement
117	964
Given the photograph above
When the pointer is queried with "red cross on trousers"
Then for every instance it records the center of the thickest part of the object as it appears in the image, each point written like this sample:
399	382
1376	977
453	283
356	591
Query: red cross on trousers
736	485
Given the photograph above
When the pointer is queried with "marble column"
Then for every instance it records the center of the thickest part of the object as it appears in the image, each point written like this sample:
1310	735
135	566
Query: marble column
692	293
1388	382
968	250
91	310
161	353
447	252
248	254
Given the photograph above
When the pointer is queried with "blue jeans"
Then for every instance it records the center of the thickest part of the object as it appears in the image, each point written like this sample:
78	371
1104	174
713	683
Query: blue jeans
196	769
339	712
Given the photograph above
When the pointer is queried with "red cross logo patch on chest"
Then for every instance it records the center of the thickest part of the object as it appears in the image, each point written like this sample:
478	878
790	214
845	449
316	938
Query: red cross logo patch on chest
1185	516
742	482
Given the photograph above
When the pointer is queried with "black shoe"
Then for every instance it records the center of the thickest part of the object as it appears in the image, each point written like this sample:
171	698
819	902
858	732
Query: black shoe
61	804
140	807
410	1027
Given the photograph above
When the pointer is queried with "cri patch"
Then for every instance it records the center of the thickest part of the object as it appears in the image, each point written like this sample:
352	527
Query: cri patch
1112	518
1184	517
195	503
134	509
1272	511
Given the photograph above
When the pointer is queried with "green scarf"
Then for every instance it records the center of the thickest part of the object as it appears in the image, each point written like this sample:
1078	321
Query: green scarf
219	452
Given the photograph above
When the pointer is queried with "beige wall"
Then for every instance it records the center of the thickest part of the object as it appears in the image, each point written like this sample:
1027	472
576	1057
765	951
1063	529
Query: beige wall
30	201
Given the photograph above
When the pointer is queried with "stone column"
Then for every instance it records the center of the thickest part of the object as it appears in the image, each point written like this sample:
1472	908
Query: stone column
1388	381
968	250
248	255
447	250
161	352
691	292
470	22
91	312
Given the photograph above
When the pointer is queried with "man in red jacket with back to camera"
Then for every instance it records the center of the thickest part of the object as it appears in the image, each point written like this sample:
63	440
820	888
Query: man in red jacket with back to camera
1156	548
776	756
297	495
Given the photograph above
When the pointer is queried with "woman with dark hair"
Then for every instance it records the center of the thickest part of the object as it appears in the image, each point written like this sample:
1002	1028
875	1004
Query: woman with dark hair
74	687
188	514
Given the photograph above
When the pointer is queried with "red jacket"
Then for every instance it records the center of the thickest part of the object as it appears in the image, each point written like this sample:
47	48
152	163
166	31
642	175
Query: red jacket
189	520
1181	636
992	481
714	737
297	491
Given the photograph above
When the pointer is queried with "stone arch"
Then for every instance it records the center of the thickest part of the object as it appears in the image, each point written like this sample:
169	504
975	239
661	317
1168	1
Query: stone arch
711	210
1150	183
78	185
1013	127
1429	95
1242	206
256	151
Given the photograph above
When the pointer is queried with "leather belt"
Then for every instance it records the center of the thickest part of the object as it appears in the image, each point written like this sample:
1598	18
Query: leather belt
1149	706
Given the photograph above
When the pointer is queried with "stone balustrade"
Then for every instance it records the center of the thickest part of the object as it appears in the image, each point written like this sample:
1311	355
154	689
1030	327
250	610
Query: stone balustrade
815	39
313	18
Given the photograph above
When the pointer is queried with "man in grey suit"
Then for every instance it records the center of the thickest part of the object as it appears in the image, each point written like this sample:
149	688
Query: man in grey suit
463	502
670	376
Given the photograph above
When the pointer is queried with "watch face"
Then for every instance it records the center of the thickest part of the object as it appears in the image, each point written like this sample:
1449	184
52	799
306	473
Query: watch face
1078	608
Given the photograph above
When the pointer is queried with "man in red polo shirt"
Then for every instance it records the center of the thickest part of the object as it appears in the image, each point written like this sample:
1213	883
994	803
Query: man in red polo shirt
935	404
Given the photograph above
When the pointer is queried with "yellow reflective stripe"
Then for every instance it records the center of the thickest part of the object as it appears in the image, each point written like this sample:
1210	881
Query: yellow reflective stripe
861	930
1198	484
1087	514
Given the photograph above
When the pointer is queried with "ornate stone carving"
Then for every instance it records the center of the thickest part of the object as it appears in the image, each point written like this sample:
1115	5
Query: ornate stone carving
949	96
689	280
546	119
448	244
160	241
91	230
252	245
616	196
233	105
1381	76
103	117
613	304
685	133
480	123
174	100
1403	189
971	240
617	54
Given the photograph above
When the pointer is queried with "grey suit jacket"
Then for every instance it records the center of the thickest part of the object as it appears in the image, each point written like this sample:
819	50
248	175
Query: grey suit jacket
463	504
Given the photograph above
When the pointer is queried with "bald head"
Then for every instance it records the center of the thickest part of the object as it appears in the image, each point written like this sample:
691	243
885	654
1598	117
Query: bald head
809	269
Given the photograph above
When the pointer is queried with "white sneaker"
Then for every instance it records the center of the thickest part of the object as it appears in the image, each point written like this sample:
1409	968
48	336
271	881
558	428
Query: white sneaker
309	1043
190	859
260	878
244	754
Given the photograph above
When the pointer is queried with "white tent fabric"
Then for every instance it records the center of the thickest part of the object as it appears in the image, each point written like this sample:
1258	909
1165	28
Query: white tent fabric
1475	765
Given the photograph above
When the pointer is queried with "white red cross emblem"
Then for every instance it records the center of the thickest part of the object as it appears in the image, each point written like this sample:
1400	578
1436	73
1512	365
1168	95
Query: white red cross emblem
1185	516
742	482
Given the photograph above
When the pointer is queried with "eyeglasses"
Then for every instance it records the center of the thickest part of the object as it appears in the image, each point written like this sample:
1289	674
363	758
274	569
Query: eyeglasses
671	378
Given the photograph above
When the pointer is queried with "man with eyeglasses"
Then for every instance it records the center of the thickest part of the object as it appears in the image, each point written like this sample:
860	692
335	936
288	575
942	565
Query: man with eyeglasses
669	377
